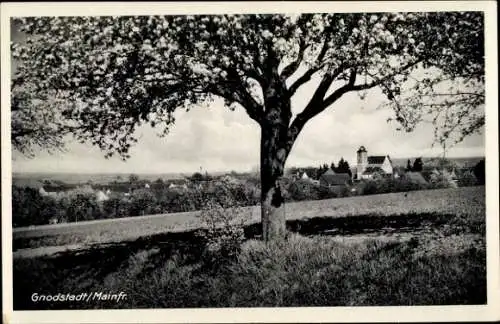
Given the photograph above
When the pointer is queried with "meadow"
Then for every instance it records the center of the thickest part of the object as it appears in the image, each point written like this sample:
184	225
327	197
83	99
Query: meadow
459	202
422	248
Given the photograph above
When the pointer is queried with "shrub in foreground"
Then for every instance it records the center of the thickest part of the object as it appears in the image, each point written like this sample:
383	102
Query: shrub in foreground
222	220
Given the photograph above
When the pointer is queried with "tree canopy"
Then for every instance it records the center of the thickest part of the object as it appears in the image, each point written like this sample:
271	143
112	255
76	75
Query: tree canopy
101	77
105	76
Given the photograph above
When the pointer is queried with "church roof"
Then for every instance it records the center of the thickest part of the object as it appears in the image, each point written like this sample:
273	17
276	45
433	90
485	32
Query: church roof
378	159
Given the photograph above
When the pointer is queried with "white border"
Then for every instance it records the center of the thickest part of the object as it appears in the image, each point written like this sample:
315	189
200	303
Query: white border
228	315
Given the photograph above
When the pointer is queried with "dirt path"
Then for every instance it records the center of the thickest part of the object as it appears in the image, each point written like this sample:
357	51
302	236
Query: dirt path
47	251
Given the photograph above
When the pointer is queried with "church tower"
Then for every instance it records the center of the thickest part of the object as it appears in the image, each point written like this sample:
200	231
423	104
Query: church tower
362	161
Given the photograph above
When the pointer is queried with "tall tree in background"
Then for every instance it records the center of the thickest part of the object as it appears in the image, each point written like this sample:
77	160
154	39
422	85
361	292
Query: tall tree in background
108	75
418	165
409	168
343	167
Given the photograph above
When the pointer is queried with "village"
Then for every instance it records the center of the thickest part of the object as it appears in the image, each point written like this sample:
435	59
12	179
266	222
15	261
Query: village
133	196
379	167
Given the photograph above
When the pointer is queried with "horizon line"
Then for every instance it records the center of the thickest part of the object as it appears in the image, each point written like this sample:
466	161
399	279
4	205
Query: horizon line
251	170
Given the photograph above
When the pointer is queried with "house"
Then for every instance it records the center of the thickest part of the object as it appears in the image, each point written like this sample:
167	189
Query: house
332	179
101	196
372	167
42	192
183	186
415	177
300	175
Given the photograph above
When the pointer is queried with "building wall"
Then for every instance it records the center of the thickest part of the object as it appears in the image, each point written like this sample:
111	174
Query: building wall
366	176
362	163
387	166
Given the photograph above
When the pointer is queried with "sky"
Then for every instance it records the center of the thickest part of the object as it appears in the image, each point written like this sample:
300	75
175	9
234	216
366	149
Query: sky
217	139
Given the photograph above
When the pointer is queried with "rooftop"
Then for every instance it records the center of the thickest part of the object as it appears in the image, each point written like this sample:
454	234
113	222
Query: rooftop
335	179
377	159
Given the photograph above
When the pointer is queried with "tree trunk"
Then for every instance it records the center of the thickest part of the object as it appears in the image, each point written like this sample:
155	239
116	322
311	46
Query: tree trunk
274	151
272	203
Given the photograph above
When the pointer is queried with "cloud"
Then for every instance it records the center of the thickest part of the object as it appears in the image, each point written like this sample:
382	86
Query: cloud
216	138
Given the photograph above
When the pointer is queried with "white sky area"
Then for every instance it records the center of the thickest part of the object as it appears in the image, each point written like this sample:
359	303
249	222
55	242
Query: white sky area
217	139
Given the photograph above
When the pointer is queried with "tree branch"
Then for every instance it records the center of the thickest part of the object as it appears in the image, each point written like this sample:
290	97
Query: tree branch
236	93
319	95
303	79
454	94
309	73
318	103
254	74
290	69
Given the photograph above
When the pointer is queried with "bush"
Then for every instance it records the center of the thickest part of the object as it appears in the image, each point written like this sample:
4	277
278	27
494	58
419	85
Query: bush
252	192
388	185
404	184
325	192
142	202
29	207
25	207
48	209
83	205
369	188
442	181
177	200
303	190
343	191
222	221
467	180
116	207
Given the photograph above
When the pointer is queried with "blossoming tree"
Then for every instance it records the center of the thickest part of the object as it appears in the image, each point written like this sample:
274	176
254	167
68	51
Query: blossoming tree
105	76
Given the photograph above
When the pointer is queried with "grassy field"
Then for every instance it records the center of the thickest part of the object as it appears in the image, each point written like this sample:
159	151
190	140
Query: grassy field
459	202
426	248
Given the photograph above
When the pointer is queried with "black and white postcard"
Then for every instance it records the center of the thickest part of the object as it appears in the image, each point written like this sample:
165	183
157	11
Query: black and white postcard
249	162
